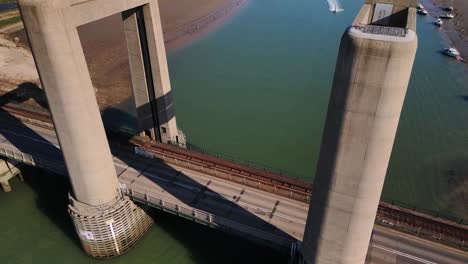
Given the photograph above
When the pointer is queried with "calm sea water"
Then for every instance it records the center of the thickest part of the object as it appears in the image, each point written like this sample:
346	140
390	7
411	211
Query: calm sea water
36	228
258	88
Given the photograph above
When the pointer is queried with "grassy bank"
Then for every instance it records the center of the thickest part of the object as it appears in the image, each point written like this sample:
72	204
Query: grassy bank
10	21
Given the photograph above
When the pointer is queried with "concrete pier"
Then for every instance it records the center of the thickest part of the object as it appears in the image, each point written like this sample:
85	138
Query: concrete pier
150	75
8	170
96	199
371	78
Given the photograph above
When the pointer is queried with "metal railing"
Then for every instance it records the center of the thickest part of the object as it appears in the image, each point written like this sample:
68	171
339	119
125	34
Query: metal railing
405	218
252	164
211	220
220	173
438	214
33	161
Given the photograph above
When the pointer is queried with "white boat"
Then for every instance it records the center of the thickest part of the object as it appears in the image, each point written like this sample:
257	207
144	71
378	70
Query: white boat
448	15
439	22
334	6
422	11
452	52
420	6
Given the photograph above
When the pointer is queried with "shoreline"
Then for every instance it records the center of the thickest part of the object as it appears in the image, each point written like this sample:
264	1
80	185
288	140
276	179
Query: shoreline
456	29
202	26
106	51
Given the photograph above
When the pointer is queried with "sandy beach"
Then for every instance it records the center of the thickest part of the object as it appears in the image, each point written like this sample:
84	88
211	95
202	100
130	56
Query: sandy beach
105	50
457	28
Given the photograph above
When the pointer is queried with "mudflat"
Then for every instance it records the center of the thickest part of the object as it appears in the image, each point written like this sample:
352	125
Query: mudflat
456	28
105	48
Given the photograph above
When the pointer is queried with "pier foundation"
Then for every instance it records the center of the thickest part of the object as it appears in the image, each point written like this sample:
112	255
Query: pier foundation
8	170
110	229
371	78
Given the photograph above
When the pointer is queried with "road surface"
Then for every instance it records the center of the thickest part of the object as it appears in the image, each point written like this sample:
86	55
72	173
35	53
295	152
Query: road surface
262	210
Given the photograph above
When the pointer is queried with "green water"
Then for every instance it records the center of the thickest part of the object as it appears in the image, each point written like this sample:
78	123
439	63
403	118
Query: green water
36	228
258	89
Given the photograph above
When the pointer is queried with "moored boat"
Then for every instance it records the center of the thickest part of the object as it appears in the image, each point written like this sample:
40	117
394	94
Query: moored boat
448	8
422	11
448	16
452	52
438	22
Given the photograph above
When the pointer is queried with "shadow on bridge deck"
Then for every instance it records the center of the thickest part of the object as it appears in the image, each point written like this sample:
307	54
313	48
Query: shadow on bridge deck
199	196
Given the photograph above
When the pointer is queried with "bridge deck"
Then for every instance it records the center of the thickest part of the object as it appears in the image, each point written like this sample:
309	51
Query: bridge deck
210	200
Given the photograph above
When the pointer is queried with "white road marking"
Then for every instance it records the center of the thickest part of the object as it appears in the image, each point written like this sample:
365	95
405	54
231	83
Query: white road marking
403	254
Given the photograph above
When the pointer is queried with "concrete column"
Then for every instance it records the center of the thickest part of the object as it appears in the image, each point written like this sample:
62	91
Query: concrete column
149	72
6	186
371	78
65	78
160	73
146	122
51	26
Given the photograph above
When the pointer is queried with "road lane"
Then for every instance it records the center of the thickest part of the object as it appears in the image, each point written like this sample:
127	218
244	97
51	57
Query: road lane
250	206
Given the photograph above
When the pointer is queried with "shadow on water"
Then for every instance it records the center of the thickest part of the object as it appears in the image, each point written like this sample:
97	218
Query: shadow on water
464	97
452	205
52	193
209	246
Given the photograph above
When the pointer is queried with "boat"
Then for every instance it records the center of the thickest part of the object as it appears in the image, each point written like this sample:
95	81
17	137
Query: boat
422	11
420	6
452	52
438	22
448	16
335	6
448	8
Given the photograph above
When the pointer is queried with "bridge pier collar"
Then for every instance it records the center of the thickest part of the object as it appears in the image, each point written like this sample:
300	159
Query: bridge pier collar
110	229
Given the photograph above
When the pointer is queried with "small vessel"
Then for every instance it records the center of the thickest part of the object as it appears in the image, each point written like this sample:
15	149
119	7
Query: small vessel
448	8
452	52
438	22
422	11
334	6
420	6
448	16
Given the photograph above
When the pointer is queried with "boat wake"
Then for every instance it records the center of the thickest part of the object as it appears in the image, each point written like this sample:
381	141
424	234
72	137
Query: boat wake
335	6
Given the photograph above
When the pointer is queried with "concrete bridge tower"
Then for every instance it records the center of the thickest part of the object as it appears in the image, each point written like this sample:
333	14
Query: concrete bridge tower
371	78
106	221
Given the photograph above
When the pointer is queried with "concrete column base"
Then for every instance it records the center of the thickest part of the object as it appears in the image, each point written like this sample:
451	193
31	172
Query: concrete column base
109	230
6	186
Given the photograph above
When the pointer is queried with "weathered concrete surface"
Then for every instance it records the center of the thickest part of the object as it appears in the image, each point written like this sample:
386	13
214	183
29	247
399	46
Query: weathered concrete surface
51	26
64	75
150	75
371	78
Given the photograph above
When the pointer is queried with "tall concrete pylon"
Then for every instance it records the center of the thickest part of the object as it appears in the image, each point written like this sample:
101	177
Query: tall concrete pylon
107	222
371	78
150	75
